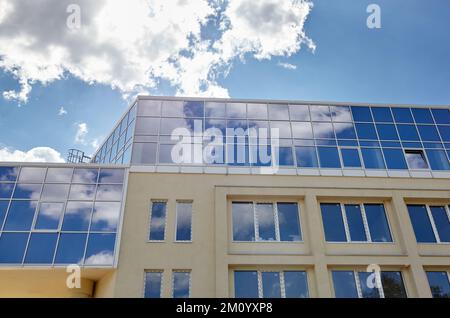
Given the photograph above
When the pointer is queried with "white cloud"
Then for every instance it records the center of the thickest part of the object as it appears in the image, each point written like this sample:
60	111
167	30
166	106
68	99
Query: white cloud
62	111
38	154
131	45
80	136
287	66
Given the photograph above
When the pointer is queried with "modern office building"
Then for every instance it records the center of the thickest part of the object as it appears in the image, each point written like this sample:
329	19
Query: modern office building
238	198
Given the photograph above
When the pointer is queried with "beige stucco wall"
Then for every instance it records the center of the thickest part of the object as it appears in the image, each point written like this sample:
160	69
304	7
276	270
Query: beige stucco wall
212	256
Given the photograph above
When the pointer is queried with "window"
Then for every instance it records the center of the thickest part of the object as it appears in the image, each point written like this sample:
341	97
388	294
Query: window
100	249
361	113
270	284
257	111
394	158
416	159
329	157
355	223
275	221
438	159
428	133
299	112
70	248
387	132
181	287
153	284
20	216
320	113
441	116
408	132
341	113
144	153
278	112
157	221
345	130
350	158
422	115
49	216
12	247
306	157
373	158
353	284
366	131
431	223
41	248
382	114
402	115
439	284
184	221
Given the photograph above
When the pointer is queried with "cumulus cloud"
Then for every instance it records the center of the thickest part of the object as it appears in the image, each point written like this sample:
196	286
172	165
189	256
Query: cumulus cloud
287	66
132	45
38	154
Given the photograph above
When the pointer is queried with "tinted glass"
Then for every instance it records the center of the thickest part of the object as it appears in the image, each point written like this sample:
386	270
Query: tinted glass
320	113
12	247
441	116
149	108
63	175
438	159
6	190
329	157
193	109
373	159
147	126
266	222
421	224
20	216
236	110
378	225
289	222
355	222
184	221
422	115
442	222
41	248
8	173
296	284
367	289
153	285
333	223
350	158
344	284
70	248
144	153
108	192
306	157
49	216
416	160
100	249
341	113
3	207
246	284
302	130
82	192
77	216
366	131
445	133
243	221
285	156
284	129
278	112
158	221
257	111
394	158
271	284
111	176
382	114
299	112
85	176
345	130
387	132
181	282
439	284
106	216
393	286
27	191
55	192
402	115
361	113
428	133
215	110
323	130
32	174
408	132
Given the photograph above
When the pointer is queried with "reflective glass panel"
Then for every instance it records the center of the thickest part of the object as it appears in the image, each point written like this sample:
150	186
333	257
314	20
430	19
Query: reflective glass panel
214	110
111	176
158	221
243	221
378	224
165	154
306	157
422	115
49	216
402	115
184	221
27	191
299	112
20	216
445	133
82	192
109	192
146	126
341	113
387	132
345	130
100	249
149	108
302	130
246	284
428	133
32	174
441	116
266	222
41	248
289	222
320	113
366	290
373	159
393	286
416	159
271	284
236	110
85	175
366	131
70	248
329	157
144	153
382	114
344	284
6	190
168	125
285	156
63	175
332	222
77	216
323	130
153	284
257	111
181	284
442	222
106	216
3	207
394	158
439	284
55	192
421	224
278	112
12	247
8	173
296	284
193	109
408	132
172	109
355	222
350	158
361	113
438	159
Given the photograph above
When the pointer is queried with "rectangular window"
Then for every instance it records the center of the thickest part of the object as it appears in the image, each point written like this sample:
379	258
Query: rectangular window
153	284
350	157
184	221
439	284
353	284
416	159
157	221
265	222
270	284
355	223
431	223
181	287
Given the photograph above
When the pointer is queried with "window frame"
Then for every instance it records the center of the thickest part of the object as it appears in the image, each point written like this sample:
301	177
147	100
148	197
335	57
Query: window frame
436	270
145	281
186	271
191	202
150	221
432	222
417	151
276	220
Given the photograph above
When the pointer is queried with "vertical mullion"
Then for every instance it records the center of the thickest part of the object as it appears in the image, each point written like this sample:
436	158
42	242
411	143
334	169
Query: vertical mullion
276	221
344	218
282	285
433	225
381	288
255	221
365	222
260	286
358	284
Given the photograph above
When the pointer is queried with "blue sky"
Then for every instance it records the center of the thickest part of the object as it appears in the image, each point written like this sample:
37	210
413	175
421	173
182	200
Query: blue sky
406	61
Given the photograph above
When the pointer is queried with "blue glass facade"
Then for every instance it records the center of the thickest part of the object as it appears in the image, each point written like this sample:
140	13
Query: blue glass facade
59	215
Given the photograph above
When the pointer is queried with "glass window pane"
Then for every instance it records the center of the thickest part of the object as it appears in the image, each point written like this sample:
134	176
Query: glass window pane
12	247
168	125
393	286
341	113
296	284
3	207
147	126
158	221
82	192
361	113
345	130
49	216
320	113
32	174
278	112
441	116
184	221
285	157
439	284
20	216
214	110
266	222
403	115
246	284
284	129
367	291
27	191
172	109
55	192
289	222
350	158
63	175
438	159
355	222
77	216
165	154
378	224
257	111
100	249
329	157
41	248
373	159
271	284
445	133
111	176
181	284
421	224
243	221
106	216
422	115
153	285
428	133
8	173
442	221
416	159
85	176
108	192
236	110
394	158
193	109
299	112
332	222
70	248
344	284
144	153
302	130
382	114
323	130
306	157
408	132
149	108
366	131
6	190
387	132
